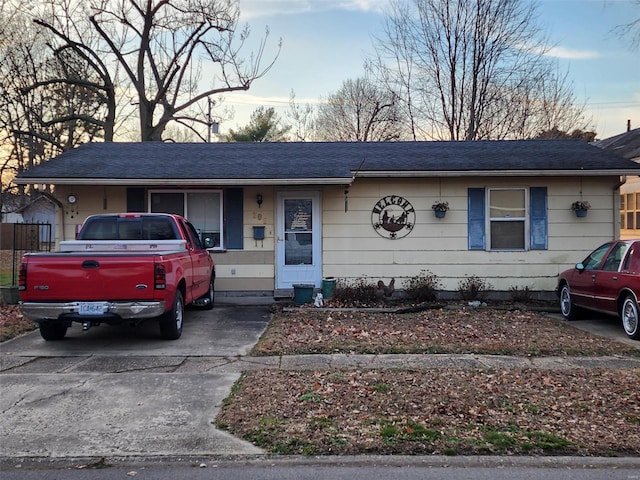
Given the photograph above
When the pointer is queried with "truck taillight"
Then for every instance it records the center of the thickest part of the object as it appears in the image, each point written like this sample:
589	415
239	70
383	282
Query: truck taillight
159	277
22	277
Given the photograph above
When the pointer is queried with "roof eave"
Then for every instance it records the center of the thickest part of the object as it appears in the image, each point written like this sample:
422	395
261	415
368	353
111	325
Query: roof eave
497	173
188	182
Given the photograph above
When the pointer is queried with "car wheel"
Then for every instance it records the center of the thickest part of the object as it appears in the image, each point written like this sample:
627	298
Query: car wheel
629	315
568	309
171	321
53	331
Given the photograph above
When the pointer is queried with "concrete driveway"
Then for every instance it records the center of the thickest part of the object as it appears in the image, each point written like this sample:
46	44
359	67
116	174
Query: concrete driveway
604	326
122	391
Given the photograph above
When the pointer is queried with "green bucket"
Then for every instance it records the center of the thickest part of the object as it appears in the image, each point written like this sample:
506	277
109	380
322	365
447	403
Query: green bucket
302	294
328	286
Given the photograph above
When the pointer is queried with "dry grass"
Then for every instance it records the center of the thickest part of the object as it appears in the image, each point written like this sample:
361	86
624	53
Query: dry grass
13	323
453	411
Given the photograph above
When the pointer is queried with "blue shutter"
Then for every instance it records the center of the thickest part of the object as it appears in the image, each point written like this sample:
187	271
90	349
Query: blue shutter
136	199
234	221
538	218
476	219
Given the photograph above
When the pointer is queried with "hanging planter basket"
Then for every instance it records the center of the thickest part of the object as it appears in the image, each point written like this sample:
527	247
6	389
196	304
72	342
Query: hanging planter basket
580	208
440	208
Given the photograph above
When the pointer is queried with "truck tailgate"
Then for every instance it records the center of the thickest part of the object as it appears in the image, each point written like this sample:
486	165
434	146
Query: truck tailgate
71	277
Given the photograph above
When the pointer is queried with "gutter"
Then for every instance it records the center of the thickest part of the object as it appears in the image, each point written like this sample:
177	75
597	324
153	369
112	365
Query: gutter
495	173
182	182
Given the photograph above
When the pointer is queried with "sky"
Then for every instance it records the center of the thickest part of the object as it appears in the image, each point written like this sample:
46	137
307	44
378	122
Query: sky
325	42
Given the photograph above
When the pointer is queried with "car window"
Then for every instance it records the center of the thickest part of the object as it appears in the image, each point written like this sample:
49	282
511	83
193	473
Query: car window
632	262
612	263
593	260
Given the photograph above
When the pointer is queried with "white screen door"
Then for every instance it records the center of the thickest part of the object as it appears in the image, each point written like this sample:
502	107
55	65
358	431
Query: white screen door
298	252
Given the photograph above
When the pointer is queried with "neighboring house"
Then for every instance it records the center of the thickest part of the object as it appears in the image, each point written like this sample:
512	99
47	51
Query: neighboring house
289	213
41	210
627	145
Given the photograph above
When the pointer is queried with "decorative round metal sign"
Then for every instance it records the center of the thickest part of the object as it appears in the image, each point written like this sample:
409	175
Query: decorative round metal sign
393	217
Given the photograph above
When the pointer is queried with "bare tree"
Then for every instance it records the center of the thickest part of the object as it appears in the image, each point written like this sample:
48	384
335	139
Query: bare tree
39	118
468	69
632	29
160	46
303	120
394	67
359	111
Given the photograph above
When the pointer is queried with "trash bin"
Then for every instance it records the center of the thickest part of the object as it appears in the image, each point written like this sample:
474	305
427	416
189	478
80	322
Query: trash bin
328	286
302	293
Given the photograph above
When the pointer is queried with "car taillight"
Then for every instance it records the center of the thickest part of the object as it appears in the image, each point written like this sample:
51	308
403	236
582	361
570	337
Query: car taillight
160	277
22	277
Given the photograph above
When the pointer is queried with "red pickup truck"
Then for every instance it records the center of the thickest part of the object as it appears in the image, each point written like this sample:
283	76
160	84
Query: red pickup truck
126	267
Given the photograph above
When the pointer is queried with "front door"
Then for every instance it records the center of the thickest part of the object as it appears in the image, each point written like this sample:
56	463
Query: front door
298	251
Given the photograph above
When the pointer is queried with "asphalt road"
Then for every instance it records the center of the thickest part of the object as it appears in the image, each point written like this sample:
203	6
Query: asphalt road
352	468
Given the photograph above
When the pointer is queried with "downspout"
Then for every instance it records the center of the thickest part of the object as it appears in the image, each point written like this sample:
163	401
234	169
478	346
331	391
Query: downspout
616	211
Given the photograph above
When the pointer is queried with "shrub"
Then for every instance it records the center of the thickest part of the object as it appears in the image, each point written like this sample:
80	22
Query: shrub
355	291
473	288
423	287
521	295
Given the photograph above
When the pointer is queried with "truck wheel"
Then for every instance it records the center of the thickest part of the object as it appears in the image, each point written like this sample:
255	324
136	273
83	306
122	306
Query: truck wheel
171	321
208	299
53	331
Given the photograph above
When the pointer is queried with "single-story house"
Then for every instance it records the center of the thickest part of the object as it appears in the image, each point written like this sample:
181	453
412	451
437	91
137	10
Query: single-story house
627	145
295	213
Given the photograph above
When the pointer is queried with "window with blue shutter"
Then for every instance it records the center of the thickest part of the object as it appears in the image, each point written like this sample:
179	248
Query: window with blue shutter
538	222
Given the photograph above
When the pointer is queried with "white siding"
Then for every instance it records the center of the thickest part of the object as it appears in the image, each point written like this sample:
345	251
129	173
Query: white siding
353	249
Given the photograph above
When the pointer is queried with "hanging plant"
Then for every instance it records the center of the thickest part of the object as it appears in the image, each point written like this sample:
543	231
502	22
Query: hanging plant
580	208
440	208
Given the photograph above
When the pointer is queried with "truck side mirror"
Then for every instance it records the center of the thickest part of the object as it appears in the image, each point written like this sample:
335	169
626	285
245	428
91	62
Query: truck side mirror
209	241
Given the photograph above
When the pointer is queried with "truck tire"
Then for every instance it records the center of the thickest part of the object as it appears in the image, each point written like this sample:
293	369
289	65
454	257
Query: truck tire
53	331
171	321
208	299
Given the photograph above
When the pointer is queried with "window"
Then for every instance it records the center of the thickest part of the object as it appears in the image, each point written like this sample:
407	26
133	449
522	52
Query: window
630	211
507	218
203	208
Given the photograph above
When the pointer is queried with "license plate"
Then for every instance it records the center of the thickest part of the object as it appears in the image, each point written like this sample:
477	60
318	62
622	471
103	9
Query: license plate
92	308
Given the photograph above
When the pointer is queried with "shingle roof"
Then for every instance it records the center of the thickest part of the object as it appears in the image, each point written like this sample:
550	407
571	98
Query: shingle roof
626	145
336	162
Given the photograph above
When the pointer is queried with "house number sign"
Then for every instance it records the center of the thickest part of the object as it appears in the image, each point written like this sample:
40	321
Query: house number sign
393	217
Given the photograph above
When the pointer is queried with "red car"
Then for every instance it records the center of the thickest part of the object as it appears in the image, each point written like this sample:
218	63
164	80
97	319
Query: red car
607	281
